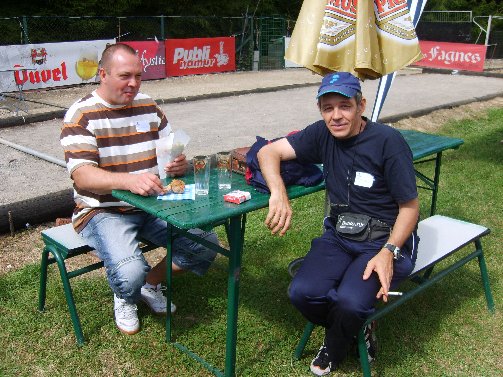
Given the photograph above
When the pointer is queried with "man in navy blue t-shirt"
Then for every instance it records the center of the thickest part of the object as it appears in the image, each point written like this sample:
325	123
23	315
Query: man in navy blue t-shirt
370	240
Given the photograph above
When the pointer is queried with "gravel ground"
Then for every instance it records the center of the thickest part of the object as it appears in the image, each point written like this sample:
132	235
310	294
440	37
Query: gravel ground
216	124
173	89
219	124
29	239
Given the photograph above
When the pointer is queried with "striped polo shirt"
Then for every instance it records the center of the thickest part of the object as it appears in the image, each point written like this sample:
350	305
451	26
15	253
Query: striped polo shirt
115	138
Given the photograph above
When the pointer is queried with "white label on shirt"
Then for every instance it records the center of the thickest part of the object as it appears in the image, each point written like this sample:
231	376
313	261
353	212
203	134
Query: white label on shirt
364	179
142	126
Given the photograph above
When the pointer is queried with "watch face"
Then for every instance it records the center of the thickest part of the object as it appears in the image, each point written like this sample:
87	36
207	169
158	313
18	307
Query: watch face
390	247
394	249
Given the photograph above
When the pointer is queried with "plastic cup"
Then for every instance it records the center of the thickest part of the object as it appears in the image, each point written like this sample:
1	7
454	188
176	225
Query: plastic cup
164	155
224	170
162	161
202	174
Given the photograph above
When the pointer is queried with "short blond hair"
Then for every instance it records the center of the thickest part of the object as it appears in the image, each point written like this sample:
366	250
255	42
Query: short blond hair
109	52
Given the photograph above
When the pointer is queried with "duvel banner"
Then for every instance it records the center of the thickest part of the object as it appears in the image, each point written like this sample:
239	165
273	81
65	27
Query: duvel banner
35	66
200	55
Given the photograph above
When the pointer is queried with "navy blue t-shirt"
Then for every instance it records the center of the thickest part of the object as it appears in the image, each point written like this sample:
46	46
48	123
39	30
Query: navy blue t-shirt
369	173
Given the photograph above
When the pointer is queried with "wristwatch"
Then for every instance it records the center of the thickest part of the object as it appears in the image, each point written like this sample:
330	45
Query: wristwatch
394	249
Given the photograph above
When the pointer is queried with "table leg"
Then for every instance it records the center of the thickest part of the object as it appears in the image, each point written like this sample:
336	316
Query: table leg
236	233
169	275
436	180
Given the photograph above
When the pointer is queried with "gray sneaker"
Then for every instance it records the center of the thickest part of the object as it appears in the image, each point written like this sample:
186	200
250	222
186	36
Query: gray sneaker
126	317
155	299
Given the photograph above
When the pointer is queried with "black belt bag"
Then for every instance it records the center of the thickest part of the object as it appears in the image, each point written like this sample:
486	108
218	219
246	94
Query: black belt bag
358	227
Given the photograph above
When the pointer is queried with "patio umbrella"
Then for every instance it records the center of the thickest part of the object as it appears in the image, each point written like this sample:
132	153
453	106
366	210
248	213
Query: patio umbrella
416	9
370	39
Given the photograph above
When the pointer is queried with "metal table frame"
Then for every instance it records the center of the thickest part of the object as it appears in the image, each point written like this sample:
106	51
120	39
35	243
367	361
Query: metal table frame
207	212
423	147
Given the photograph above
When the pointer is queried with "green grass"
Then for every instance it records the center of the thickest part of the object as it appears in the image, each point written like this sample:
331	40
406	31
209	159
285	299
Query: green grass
445	331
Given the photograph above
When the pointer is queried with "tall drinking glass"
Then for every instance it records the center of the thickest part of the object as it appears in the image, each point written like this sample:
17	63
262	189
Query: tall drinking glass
202	165
224	170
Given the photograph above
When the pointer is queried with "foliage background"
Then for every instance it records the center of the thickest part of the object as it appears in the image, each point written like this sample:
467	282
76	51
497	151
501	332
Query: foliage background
286	8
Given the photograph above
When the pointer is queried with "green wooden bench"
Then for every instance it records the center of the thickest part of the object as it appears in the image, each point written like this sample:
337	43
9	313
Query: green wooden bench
440	238
62	243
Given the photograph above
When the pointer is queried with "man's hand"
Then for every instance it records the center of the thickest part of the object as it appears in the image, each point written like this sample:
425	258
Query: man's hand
382	264
144	184
269	157
94	179
280	214
177	167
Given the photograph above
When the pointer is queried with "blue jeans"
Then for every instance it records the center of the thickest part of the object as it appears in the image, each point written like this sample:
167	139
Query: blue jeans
114	237
329	290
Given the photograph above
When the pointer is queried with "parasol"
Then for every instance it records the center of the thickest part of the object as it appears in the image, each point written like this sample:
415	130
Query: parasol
370	39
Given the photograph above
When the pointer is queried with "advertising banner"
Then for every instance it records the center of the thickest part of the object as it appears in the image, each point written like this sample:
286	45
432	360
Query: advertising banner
200	55
35	66
455	56
153	58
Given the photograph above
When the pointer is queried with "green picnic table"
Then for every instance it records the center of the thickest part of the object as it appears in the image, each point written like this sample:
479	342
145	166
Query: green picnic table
209	211
206	212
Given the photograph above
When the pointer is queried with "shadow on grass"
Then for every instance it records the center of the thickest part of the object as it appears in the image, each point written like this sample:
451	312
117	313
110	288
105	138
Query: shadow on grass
266	317
407	329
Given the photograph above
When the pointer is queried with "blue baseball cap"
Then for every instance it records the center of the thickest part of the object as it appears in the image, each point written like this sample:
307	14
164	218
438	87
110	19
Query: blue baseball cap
339	82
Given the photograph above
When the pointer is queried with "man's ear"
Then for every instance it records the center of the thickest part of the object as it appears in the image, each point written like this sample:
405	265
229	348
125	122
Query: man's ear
102	73
363	104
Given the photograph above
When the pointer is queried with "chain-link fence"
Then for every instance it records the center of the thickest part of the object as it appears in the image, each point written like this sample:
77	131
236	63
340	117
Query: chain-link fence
271	42
447	16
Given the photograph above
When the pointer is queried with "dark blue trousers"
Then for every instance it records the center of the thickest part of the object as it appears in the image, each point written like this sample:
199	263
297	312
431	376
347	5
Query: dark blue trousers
329	290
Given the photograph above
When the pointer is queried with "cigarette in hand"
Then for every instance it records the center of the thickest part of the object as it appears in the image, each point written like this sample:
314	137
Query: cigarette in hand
391	293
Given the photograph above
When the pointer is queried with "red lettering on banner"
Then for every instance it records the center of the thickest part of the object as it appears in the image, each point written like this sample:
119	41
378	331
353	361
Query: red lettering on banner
461	56
36	76
345	5
46	75
389	5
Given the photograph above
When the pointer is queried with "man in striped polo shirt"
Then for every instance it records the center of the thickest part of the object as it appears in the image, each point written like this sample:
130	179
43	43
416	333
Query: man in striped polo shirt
109	142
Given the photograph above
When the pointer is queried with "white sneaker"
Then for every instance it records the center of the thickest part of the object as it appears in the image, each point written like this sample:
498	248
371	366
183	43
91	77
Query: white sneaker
156	300
126	317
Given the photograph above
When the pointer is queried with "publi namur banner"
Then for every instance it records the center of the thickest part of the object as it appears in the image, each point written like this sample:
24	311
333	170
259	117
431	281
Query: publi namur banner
455	56
200	55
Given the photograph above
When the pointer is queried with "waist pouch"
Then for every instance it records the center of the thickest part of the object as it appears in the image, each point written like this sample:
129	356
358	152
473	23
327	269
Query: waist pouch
358	227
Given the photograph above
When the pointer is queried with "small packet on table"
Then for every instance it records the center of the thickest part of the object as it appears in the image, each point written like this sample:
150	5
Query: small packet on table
237	196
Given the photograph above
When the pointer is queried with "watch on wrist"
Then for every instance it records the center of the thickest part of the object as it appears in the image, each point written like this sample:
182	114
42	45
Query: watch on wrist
394	249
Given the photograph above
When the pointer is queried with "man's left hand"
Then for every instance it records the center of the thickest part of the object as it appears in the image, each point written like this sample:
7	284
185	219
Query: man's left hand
382	264
177	167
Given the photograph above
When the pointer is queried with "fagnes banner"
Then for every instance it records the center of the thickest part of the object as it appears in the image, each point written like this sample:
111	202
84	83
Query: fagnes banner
367	38
455	56
200	55
153	58
50	64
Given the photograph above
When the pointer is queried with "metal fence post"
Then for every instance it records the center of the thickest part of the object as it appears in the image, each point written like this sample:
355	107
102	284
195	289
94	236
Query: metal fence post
24	26
162	28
